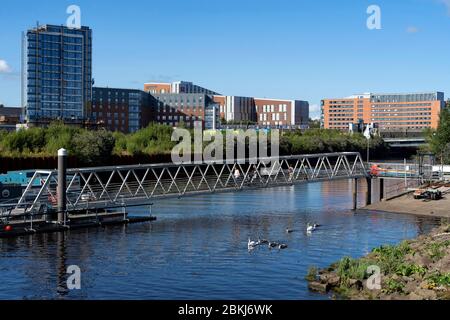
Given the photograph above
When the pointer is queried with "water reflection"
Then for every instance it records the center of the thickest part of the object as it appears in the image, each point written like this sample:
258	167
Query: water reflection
197	249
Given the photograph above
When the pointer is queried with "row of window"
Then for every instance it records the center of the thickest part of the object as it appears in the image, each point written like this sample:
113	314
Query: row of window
55	84
271	108
109	107
275	117
179	118
276	123
379	119
108	115
404	97
54	38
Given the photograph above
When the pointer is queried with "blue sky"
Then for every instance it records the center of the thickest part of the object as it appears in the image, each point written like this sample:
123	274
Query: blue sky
302	49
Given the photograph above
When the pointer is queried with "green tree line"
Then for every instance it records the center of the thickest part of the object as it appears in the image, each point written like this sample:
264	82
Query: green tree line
439	139
95	146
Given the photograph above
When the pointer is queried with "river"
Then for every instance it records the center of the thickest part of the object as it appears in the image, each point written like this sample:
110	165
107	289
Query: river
197	249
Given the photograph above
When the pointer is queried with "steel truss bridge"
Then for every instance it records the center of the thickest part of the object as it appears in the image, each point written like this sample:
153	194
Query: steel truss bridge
111	187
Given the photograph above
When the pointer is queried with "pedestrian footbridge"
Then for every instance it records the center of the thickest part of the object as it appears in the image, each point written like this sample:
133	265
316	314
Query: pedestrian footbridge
123	186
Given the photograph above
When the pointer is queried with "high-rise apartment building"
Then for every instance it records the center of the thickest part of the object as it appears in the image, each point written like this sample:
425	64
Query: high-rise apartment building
391	112
57	74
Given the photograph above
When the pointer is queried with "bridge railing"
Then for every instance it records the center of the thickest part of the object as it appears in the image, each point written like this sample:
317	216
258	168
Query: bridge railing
103	187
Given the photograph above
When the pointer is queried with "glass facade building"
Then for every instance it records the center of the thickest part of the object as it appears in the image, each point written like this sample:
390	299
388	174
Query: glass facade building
57	74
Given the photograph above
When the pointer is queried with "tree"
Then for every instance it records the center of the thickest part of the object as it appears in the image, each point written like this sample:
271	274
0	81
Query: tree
93	146
440	138
314	123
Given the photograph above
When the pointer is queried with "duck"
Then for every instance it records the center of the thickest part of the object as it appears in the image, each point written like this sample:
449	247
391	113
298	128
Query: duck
273	245
282	246
263	241
252	244
289	230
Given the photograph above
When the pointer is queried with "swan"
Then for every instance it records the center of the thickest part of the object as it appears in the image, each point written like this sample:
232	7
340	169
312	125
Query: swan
310	228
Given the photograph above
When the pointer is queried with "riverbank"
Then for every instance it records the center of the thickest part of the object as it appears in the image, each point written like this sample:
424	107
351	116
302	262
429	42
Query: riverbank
406	204
416	269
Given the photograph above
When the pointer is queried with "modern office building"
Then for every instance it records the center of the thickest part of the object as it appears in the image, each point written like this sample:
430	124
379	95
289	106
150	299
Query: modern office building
212	116
176	88
412	111
391	112
264	112
282	113
236	109
124	110
57	74
339	113
186	102
175	108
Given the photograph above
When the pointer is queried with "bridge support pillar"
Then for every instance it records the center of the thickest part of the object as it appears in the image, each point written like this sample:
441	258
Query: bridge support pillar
369	191
355	193
381	189
62	184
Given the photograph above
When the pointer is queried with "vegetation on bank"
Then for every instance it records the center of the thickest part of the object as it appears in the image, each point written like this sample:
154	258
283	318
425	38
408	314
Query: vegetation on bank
439	139
96	146
414	269
93	146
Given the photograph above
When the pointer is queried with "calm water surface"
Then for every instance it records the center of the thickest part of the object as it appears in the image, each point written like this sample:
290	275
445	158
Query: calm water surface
197	249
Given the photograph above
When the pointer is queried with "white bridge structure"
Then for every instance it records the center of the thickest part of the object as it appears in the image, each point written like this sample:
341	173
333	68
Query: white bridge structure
123	186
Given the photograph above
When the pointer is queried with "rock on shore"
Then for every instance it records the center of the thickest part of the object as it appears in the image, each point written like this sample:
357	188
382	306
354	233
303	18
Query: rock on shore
413	270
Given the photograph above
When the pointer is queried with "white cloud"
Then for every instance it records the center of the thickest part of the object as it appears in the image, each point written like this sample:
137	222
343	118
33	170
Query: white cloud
314	111
4	67
412	29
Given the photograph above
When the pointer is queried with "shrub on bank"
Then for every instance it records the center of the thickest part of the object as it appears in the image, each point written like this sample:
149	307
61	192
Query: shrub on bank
156	139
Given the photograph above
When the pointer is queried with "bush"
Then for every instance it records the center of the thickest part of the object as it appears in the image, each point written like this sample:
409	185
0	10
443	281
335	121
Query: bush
93	146
389	258
349	268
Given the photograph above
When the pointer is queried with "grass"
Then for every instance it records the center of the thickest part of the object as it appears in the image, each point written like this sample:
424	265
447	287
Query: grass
393	286
439	279
349	268
390	258
436	250
408	270
312	274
